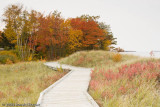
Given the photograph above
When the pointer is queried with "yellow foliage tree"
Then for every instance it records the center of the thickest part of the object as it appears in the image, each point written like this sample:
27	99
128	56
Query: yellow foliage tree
13	20
106	44
75	37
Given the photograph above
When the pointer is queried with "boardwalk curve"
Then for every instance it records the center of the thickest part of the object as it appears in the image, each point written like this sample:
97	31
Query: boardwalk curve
70	90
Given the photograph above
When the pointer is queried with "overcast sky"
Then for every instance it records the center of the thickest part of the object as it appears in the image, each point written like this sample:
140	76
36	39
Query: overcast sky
135	23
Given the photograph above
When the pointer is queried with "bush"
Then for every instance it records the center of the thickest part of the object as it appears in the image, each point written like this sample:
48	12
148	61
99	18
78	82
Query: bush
8	53
117	57
9	61
8	57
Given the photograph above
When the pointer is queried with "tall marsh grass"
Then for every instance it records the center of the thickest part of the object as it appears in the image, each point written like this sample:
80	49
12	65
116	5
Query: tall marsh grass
22	82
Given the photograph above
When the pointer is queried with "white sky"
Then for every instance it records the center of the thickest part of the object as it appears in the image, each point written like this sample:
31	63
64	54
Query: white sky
135	23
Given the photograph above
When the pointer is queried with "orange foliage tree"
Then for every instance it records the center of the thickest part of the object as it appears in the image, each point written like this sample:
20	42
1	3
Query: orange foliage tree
52	36
92	34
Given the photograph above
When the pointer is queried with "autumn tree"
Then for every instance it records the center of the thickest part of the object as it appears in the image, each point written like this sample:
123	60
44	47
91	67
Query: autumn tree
108	40
74	40
12	18
33	29
74	37
20	27
15	30
92	34
52	35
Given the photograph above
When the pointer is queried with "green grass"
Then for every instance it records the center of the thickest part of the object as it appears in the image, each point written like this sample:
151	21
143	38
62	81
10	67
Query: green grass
94	59
112	89
22	82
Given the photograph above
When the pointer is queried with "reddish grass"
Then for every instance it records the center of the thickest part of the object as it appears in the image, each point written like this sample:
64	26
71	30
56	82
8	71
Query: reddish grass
125	81
80	60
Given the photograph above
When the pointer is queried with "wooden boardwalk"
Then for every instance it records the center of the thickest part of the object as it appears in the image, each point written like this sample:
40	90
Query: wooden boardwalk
69	91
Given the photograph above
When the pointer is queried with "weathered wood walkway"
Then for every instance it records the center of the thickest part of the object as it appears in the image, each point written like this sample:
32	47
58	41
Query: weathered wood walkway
69	91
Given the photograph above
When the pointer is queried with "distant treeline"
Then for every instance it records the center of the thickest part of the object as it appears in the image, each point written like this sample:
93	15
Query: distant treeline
33	34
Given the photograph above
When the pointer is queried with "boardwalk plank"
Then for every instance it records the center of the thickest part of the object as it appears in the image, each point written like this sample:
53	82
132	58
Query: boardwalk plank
70	92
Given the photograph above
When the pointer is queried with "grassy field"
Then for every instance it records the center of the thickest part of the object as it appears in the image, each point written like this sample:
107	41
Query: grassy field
22	83
120	80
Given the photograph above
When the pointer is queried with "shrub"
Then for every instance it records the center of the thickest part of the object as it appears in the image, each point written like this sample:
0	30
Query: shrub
30	58
8	53
9	61
8	57
117	57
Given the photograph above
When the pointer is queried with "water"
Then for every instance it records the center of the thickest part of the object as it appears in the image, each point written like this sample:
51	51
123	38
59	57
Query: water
143	54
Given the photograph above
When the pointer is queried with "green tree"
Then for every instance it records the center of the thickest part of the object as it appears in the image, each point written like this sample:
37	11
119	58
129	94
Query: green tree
109	38
87	17
4	42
